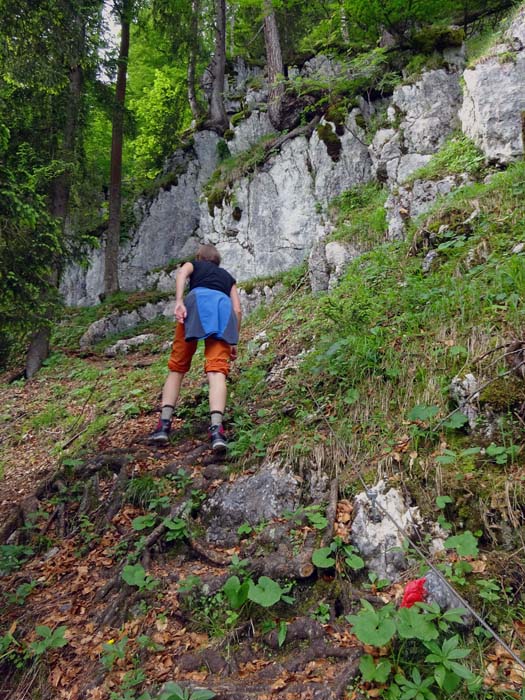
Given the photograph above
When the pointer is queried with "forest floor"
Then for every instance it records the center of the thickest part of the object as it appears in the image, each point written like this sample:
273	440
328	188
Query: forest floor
78	519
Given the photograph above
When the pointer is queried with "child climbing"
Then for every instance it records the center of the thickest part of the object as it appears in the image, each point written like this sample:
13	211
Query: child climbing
211	312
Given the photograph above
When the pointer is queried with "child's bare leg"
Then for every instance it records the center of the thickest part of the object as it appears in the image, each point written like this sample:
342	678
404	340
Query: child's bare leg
171	391
217	382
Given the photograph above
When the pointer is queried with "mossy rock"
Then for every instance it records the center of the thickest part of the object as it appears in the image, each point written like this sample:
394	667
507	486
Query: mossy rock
504	394
236	118
331	140
229	135
436	38
337	114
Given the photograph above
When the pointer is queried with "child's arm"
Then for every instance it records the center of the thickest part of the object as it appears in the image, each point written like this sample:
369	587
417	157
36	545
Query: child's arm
180	283
236	304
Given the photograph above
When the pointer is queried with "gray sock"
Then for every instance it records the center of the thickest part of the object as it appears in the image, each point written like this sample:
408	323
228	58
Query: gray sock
216	417
167	412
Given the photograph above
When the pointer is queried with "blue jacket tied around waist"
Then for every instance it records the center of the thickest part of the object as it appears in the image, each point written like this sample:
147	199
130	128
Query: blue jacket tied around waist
210	314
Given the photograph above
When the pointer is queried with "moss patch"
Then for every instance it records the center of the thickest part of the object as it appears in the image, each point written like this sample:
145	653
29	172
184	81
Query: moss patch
331	140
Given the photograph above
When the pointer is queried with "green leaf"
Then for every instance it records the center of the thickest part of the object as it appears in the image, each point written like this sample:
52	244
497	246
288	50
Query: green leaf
421	412
142	522
441	501
374	627
355	562
266	593
367	667
235	592
466	545
457	420
414	624
322	558
281	635
202	694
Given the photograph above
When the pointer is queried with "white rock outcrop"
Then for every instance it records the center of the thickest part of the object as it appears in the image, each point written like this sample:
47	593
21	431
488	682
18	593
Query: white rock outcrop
164	227
493	112
274	216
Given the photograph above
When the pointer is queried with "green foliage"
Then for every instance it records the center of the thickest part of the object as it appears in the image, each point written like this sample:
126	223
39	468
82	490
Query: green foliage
360	215
162	113
135	575
411	634
173	691
13	556
465	544
459	155
266	592
111	651
51	639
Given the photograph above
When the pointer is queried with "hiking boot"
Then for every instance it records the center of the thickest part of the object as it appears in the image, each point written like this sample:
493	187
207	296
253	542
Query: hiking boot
161	434
218	439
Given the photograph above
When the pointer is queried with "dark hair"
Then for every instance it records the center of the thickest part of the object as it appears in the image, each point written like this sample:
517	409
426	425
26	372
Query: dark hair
208	252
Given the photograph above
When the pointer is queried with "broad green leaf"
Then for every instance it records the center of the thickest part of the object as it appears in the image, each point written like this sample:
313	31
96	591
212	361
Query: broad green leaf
267	592
422	412
322	558
373	627
414	624
466	545
142	522
457	420
441	501
235	592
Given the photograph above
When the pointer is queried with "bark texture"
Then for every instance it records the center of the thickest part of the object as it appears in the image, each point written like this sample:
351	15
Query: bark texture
217	118
111	281
274	62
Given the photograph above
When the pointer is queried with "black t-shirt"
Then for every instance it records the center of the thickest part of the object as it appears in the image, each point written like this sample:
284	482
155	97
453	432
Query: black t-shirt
209	275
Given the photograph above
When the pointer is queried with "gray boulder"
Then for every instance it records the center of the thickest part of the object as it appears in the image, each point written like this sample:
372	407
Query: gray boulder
373	533
118	322
125	346
327	263
251	499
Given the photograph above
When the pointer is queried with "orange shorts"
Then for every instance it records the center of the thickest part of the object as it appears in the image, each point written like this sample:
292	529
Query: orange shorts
216	353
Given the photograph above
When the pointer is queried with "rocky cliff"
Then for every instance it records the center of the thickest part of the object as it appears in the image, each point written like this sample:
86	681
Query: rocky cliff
271	218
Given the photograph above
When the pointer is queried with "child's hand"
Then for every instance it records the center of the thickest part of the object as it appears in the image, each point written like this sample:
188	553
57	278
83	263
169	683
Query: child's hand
233	352
180	312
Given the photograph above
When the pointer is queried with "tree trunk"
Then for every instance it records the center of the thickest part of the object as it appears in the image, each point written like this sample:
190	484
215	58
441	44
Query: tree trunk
274	62
38	349
192	60
344	24
111	281
217	117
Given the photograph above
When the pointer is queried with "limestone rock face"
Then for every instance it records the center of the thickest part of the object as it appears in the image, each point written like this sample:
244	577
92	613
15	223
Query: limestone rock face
427	113
250	499
430	110
494	102
249	131
409	202
123	347
274	216
164	226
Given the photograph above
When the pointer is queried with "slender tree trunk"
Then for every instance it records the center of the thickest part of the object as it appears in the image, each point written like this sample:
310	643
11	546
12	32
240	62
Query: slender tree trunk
111	281
344	24
192	61
39	347
274	62
217	117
